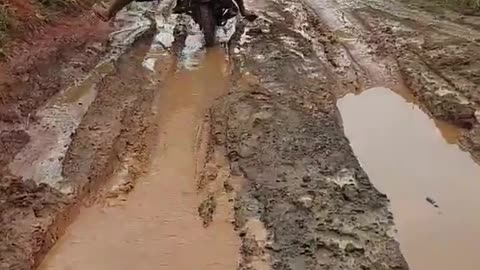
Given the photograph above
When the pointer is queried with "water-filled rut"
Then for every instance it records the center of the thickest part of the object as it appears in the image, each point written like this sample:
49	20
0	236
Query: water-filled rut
433	185
159	227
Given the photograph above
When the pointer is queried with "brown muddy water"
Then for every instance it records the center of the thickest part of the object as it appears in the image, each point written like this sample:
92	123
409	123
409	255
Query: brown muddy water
158	227
414	160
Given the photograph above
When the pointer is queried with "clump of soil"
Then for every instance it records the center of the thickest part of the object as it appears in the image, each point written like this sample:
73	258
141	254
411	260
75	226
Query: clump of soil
28	213
10	143
207	209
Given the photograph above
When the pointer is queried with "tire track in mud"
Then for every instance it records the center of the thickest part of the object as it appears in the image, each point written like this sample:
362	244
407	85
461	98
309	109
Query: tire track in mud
112	139
165	196
159	220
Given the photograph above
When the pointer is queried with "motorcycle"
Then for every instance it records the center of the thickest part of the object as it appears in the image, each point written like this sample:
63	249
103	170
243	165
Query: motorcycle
208	14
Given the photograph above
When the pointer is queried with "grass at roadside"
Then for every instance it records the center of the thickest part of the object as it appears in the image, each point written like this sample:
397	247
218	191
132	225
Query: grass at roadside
466	3
57	4
5	23
466	7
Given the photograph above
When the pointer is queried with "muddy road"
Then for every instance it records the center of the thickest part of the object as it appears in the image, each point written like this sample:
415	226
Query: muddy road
327	134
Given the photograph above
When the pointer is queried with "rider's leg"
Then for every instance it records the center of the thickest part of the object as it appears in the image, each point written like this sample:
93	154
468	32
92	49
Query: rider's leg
107	13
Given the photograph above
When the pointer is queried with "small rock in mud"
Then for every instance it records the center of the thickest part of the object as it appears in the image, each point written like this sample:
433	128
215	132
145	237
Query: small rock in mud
349	192
228	187
235	169
307	179
306	201
352	248
207	209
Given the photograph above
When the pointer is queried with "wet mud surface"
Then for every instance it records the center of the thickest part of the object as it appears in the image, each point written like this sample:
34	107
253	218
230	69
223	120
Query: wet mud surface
250	155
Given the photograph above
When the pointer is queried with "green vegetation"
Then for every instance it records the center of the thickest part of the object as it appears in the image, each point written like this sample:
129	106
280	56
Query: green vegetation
467	3
460	5
5	22
57	4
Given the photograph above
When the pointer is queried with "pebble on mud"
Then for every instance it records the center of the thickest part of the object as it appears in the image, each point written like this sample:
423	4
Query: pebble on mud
349	192
307	179
306	201
352	248
207	209
228	187
235	169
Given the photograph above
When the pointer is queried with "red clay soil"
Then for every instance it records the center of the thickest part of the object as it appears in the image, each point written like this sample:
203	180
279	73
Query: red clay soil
47	49
38	58
26	209
35	50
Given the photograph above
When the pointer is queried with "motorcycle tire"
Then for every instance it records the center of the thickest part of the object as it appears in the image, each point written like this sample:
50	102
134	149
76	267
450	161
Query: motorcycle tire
206	20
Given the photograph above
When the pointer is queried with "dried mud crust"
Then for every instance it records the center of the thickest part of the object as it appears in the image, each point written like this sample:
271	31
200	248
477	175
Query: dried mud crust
118	124
306	203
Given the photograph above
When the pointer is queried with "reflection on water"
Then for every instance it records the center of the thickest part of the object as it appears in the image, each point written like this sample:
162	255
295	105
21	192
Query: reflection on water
409	158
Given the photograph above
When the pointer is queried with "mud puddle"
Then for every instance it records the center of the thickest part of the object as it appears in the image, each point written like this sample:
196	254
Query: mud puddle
433	186
157	226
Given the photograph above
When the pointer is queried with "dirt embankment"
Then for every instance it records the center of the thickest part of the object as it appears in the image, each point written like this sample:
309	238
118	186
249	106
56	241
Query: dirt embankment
116	129
45	48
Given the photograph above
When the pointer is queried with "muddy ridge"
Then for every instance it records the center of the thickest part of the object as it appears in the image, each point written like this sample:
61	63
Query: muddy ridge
306	202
